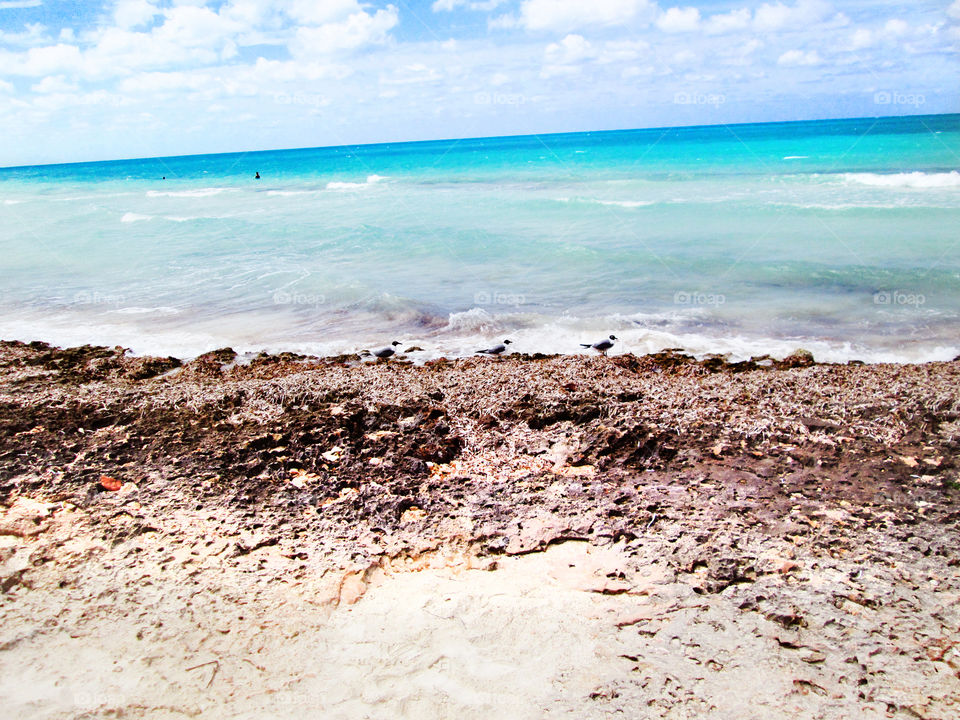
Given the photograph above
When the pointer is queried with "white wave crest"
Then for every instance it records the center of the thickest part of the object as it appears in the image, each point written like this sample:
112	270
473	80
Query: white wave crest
132	217
147	311
911	179
475	320
371	180
199	193
617	203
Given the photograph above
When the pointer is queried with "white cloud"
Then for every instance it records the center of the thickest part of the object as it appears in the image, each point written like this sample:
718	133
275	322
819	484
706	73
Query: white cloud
684	57
48	60
619	51
6	87
320	12
160	82
728	22
565	57
449	5
32	34
954	10
896	27
503	22
191	34
861	38
54	84
356	31
677	20
800	16
563	15
573	48
134	13
16	4
799	57
271	72
414	74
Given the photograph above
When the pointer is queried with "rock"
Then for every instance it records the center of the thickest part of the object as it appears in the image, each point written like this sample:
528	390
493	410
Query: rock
333	454
25	518
798	358
142	368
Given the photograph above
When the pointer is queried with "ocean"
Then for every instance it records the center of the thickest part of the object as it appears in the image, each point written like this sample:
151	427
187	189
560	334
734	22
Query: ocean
838	236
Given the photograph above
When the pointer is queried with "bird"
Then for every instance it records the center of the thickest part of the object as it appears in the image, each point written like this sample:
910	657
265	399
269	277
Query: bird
601	346
387	352
496	350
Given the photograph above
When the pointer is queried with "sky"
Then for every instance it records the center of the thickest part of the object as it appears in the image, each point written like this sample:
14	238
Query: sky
105	79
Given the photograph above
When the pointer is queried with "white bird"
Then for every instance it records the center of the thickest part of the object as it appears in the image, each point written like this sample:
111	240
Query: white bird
601	346
387	352
496	349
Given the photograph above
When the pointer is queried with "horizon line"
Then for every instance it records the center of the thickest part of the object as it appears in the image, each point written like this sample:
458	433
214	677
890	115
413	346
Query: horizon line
470	137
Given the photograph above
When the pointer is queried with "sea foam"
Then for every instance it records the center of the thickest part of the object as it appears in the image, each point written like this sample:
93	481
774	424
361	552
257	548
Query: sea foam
911	179
371	180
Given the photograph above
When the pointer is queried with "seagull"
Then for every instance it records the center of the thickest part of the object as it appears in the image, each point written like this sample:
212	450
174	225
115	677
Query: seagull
496	349
601	346
387	352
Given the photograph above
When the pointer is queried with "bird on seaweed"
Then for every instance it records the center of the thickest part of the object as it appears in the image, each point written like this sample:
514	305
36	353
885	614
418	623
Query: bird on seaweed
387	352
496	350
601	346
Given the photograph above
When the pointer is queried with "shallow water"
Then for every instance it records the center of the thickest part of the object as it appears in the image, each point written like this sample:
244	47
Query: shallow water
839	236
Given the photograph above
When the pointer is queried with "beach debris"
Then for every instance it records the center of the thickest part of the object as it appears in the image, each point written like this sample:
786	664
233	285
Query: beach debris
110	483
214	663
412	514
576	471
300	477
380	435
333	454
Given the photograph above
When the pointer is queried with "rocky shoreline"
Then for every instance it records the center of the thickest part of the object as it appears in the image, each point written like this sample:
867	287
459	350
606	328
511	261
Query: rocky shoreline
759	538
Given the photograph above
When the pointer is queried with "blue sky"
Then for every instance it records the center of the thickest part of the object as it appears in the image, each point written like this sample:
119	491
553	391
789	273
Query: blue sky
134	78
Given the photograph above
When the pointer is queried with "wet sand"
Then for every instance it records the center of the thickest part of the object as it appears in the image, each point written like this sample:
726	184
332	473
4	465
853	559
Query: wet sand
527	537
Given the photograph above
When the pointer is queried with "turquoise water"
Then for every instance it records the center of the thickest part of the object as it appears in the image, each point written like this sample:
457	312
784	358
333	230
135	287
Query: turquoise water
839	236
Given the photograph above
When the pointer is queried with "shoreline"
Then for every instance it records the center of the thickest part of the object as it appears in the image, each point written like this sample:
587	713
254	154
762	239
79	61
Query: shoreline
413	354
632	534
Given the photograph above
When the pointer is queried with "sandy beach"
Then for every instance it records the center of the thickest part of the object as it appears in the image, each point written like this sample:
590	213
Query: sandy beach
526	537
